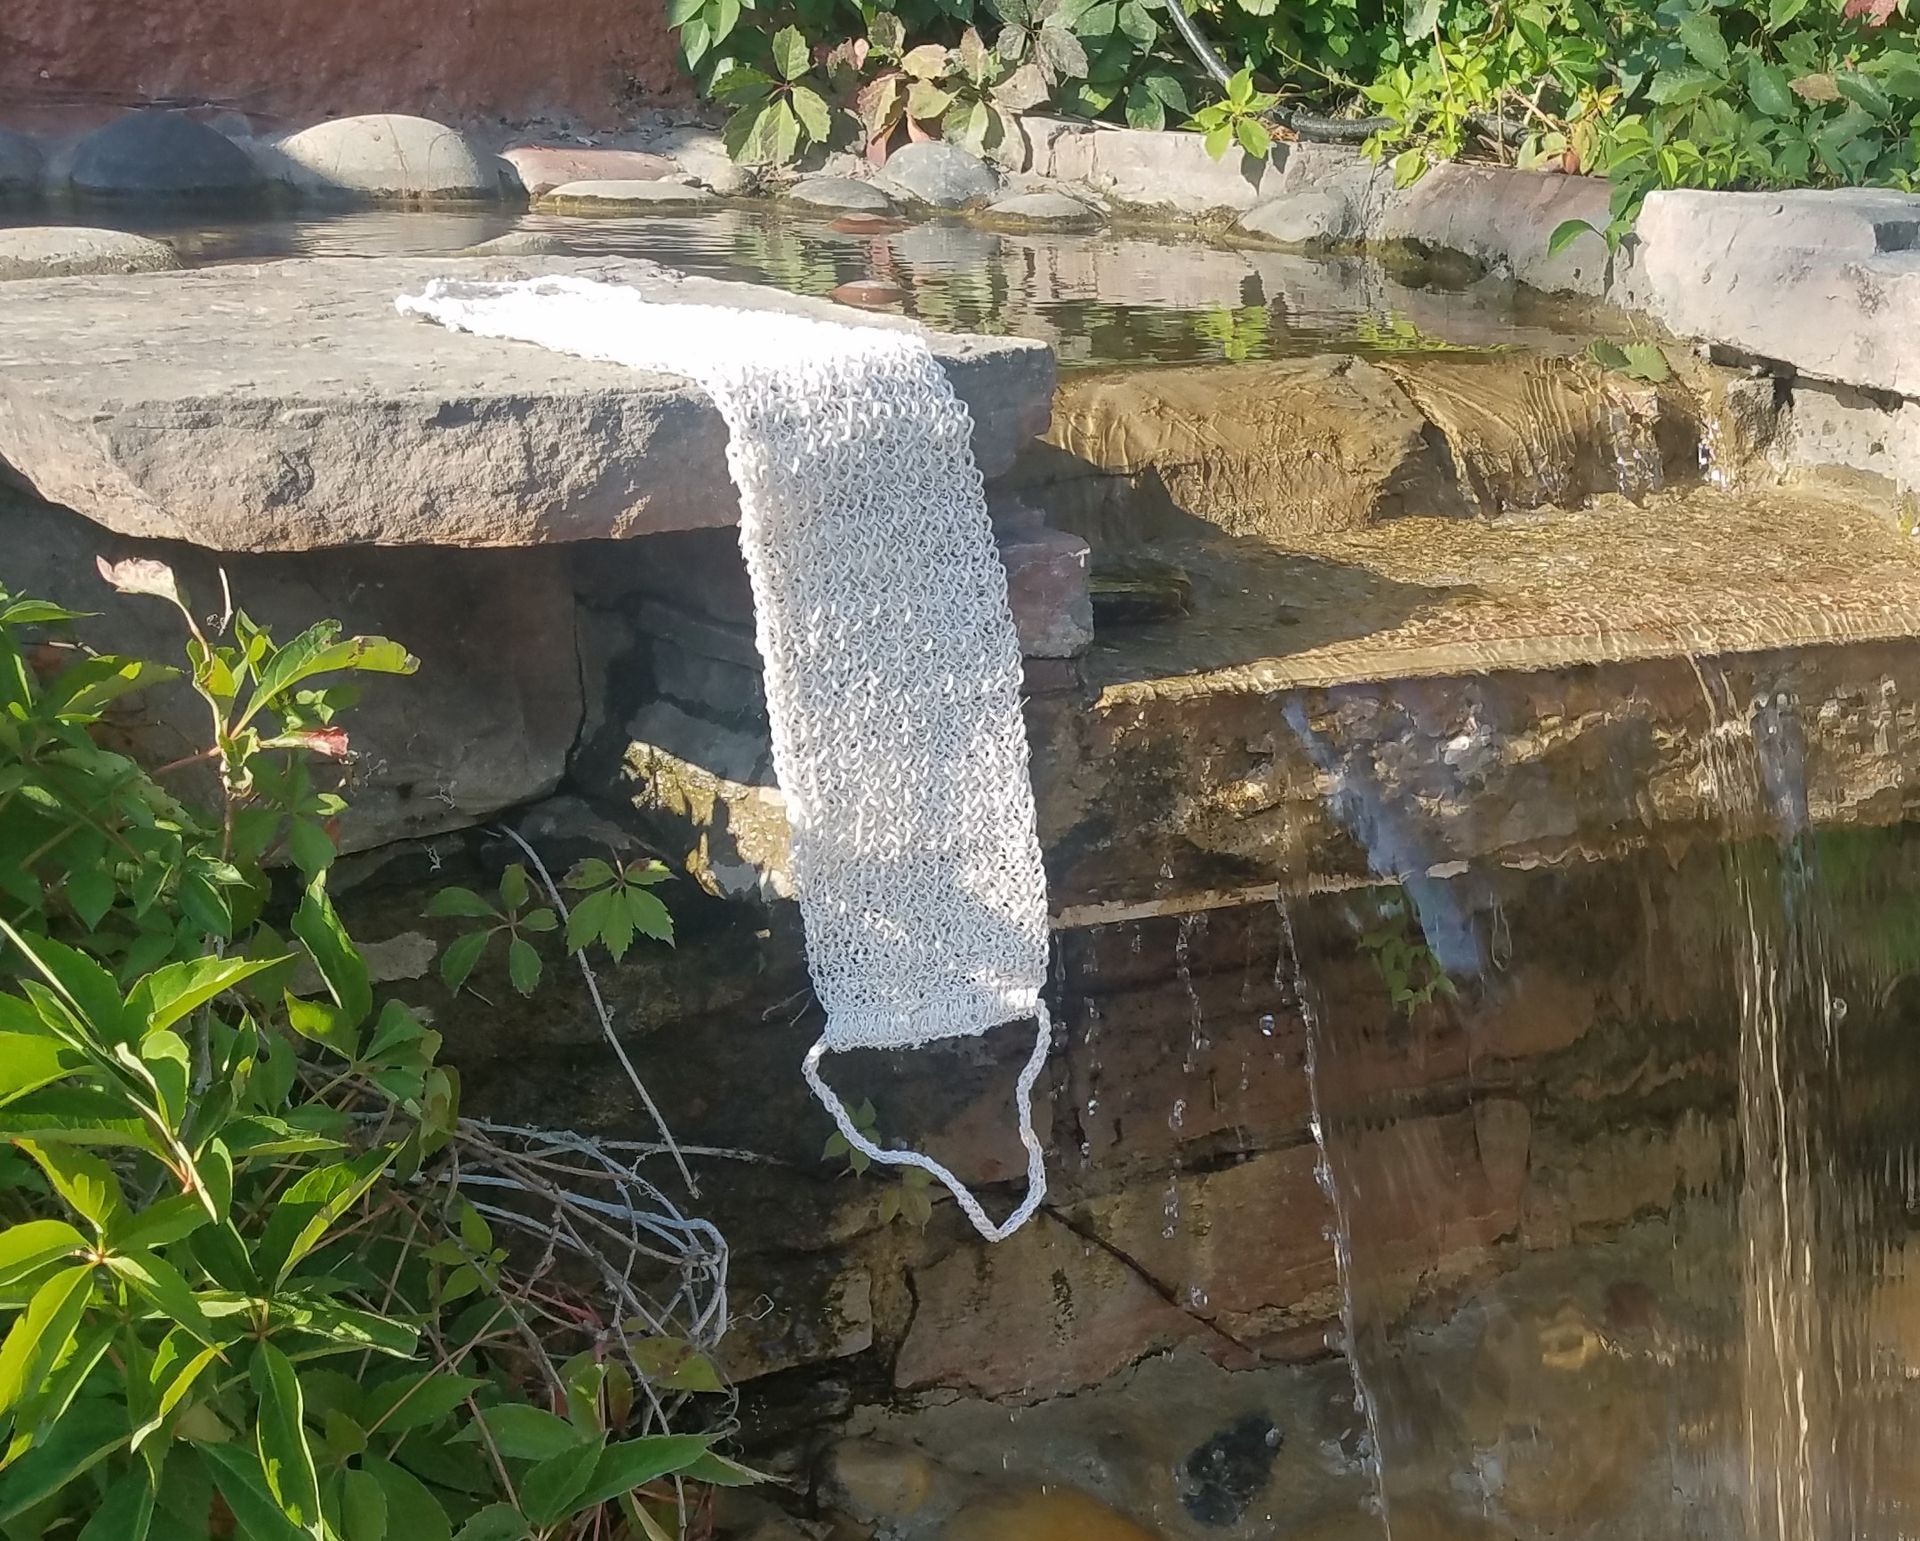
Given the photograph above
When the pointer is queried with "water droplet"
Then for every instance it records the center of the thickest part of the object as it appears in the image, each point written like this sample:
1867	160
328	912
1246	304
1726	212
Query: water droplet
1836	1011
1266	1025
1179	1114
1093	1106
1196	1297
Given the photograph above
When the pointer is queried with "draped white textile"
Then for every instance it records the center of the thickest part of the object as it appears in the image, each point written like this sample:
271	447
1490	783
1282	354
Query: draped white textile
892	669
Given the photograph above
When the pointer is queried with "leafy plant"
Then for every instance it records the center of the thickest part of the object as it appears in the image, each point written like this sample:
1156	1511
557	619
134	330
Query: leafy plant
1412	974
962	93
909	1196
777	110
1643	361
246	1289
1235	119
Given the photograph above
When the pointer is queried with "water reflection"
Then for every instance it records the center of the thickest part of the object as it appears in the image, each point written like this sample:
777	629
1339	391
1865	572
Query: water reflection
1103	297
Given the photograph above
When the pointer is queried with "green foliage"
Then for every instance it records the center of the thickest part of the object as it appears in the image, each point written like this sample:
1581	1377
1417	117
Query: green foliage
242	1289
909	1196
1407	966
1235	119
1644	361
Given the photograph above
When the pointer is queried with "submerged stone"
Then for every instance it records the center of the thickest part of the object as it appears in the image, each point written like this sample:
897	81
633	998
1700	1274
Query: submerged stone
163	155
1043	211
1223	1476
21	165
622	196
1042	1514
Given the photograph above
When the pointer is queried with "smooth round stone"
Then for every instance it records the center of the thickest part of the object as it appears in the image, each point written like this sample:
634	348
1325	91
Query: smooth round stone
940	174
386	156
842	193
867	224
156	154
1050	211
622	197
66	251
869	293
21	165
518	243
1315	216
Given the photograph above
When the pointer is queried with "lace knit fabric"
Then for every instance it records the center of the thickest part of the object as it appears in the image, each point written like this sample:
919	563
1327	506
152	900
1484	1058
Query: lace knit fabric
892	668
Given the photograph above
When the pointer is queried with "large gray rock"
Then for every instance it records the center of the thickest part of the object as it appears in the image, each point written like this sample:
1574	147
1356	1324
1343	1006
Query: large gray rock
1506	219
59	251
940	174
1826	282
1042	211
153	154
1151	170
386	157
291	406
22	166
1313	217
845	194
485	724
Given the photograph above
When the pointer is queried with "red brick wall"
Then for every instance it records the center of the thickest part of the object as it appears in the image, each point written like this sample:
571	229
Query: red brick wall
289	62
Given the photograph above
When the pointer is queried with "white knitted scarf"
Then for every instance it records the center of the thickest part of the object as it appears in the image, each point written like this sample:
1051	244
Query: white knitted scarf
892	669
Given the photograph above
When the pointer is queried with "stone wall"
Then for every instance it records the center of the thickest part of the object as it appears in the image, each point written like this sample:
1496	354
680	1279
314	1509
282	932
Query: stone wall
287	64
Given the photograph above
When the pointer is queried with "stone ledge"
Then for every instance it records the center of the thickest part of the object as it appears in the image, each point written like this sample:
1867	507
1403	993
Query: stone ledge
289	407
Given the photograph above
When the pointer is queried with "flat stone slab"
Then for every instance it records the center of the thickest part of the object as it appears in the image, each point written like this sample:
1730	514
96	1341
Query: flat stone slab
290	407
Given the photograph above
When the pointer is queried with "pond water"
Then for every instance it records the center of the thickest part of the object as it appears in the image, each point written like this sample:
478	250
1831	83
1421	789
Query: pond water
1108	297
1559	1182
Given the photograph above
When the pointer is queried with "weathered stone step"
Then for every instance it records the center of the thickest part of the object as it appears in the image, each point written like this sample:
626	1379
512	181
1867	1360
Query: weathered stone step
290	407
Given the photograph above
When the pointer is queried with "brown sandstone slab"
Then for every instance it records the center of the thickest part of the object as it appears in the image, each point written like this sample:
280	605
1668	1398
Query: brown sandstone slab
290	407
543	167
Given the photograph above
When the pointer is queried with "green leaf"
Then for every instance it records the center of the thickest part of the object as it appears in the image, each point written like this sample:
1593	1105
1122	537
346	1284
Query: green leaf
1865	93
790	53
177	1366
676	1364
649	915
586	919
1418	19
413	1513
416	1401
41	1333
48	1404
86	1182
718	1471
29	1062
523	965
363	1507
87	989
90	1432
78	1115
1646	361
462	903
680	12
281	1437
162	1286
159	1225
333	953
91	893
1219	140
553	1489
514	888
815	117
1768	90
1253	138
350	1328
1700	35
1780	12
1566	233
310	846
243	1484
635	1462
166	995
496	1522
462	953
314	652
31	1245
310	1207
126	1513
590	872
538	920
525	1433
1681	83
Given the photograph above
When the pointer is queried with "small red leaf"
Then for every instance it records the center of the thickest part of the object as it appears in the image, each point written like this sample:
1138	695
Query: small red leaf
1876	13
